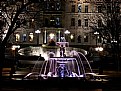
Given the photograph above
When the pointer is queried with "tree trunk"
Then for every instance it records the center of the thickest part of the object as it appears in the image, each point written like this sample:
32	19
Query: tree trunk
2	58
118	53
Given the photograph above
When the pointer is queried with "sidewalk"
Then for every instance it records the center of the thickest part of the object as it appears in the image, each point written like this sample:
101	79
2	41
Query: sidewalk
113	74
109	73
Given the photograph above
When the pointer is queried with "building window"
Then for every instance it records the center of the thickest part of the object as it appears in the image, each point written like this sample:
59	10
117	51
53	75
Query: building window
79	39
86	9
57	22
99	23
85	38
51	36
79	22
86	22
52	6
24	37
17	37
108	23
46	24
31	37
108	9
118	9
72	37
73	8
47	6
58	6
99	40
72	21
18	7
32	23
52	21
79	8
99	9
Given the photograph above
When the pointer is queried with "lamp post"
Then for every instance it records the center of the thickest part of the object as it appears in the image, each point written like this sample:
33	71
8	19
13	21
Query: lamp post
37	32
96	33
66	33
116	55
100	49
14	47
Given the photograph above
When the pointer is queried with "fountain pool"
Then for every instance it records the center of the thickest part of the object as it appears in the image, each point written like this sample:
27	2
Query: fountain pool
71	65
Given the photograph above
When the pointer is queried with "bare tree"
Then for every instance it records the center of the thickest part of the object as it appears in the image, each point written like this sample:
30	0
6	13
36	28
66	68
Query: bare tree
12	16
109	28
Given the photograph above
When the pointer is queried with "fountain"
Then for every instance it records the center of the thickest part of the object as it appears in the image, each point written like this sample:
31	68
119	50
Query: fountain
69	64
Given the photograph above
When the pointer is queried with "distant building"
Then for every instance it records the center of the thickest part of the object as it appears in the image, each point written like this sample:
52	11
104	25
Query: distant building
56	16
49	21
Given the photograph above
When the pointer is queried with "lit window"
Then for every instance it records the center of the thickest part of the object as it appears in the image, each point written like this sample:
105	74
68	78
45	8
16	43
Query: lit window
32	23
72	37
31	37
58	6
17	37
57	21
85	38
99	39
51	35
79	8
24	37
52	6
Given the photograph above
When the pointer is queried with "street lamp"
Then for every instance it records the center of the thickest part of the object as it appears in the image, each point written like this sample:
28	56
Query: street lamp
14	47
96	33
100	49
37	32
66	33
113	41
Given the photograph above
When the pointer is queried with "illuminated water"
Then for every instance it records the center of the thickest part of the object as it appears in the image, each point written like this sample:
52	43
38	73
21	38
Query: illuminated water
63	63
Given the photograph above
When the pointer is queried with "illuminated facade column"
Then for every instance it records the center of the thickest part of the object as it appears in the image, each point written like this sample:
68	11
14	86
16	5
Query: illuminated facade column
45	37
37	32
59	36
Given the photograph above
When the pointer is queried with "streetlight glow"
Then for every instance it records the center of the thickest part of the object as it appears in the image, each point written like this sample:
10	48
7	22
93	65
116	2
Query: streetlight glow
51	35
67	32
99	49
96	33
37	31
15	46
72	36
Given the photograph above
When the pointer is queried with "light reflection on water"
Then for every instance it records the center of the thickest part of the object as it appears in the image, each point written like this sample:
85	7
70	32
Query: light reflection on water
56	89
31	88
47	89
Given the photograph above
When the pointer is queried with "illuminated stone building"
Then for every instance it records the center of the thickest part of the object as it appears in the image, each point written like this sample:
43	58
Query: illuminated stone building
48	21
57	16
81	15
